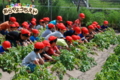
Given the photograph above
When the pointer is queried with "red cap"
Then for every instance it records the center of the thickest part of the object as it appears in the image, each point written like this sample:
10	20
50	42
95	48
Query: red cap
33	23
33	19
105	22
94	25
59	18
82	15
35	31
75	37
69	38
6	44
91	27
25	25
25	31
85	30
46	19
51	25
41	20
13	19
98	26
61	26
17	24
39	45
95	22
12	25
69	22
77	30
51	38
46	43
26	22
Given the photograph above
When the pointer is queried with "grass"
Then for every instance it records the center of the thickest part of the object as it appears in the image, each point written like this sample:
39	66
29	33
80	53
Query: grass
104	4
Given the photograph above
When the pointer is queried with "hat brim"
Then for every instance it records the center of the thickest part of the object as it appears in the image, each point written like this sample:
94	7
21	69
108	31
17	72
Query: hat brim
83	17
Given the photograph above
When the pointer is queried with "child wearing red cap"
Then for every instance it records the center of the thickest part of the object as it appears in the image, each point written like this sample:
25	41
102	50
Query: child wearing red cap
53	50
44	54
51	28
105	25
69	25
59	33
75	31
6	25
34	36
21	38
46	20
58	20
80	18
84	34
5	46
12	27
34	58
41	24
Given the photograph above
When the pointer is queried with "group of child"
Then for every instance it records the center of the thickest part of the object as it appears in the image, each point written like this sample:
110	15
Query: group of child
57	36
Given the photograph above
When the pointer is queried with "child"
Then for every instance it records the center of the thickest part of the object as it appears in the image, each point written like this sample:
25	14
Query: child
21	38
34	36
5	46
34	58
41	24
80	18
53	50
6	25
12	27
44	55
51	28
32	26
84	34
59	33
104	26
75	31
69	25
46	20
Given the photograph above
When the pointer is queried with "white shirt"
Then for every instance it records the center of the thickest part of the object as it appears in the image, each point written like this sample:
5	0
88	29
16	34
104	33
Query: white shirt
46	32
39	27
56	34
30	58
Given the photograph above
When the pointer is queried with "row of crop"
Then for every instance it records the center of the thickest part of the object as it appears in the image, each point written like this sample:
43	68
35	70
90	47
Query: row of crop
111	68
76	58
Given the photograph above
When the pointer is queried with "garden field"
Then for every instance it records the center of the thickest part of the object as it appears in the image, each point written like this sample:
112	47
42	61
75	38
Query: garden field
82	63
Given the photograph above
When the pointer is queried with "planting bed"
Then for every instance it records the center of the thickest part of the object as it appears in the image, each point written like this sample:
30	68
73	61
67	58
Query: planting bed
82	62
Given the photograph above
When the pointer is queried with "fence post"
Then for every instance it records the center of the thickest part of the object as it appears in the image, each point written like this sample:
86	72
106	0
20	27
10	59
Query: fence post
51	9
48	4
3	14
87	3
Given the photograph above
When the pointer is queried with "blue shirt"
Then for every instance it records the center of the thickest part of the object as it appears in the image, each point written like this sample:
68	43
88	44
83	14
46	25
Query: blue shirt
1	49
82	37
33	38
104	27
69	33
52	22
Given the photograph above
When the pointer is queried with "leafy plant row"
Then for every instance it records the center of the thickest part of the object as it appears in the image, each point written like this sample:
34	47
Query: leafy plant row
111	68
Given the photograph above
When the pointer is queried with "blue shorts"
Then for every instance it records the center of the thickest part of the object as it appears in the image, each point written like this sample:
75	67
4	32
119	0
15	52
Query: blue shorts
31	67
3	32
